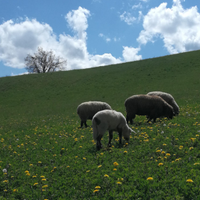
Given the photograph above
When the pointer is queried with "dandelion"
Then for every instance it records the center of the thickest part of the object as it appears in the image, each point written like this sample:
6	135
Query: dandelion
114	169
44	186
15	190
99	166
119	183
164	144
181	147
149	178
31	165
160	164
193	139
35	184
189	181
88	171
4	170
44	179
168	154
39	162
5	181
42	176
191	148
84	158
158	151
106	175
115	164
125	151
76	139
196	163
97	187
101	154
5	190
95	191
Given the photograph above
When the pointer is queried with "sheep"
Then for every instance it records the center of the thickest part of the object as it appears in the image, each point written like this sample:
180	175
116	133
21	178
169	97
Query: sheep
168	98
152	106
110	120
87	110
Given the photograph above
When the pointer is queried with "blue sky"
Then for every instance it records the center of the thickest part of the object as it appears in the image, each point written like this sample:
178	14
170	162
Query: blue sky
93	33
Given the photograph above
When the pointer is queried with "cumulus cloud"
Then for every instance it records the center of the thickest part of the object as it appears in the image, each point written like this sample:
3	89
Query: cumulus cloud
128	18
179	28
24	36
130	54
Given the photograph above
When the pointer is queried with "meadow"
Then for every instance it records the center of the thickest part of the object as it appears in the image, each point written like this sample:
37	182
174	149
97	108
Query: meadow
45	155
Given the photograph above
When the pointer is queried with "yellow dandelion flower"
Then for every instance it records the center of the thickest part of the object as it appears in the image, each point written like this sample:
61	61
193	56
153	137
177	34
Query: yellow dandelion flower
44	179
39	162
149	178
191	148
42	176
88	171
196	163
5	181
181	147
35	184
34	176
101	154
160	164
84	158
114	169
76	139
119	183
164	145
44	186
115	164
168	154
189	181
125	151
5	190
15	190
97	187
193	139
99	166
31	165
158	151
95	191
106	175
163	152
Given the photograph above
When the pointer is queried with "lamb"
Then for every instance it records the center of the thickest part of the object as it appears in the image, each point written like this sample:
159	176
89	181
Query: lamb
110	120
87	110
168	98
152	106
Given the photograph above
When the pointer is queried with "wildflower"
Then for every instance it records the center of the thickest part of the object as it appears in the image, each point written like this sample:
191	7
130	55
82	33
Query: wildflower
95	191
180	147
39	162
99	166
44	179
101	154
196	163
114	169
164	145
42	176
125	151
119	183
126	143
189	181
191	148
158	151
97	187
160	164
106	175
88	171
31	165
68	166
35	184
5	181
84	158
168	154
5	190
34	176
115	164
4	170
149	178
76	139
193	139
44	186
15	190
80	146
63	149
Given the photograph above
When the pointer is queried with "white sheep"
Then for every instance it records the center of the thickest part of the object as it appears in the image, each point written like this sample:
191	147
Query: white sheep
87	110
110	120
168	98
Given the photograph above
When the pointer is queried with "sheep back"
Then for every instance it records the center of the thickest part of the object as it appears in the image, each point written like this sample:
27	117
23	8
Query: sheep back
87	110
168	98
152	106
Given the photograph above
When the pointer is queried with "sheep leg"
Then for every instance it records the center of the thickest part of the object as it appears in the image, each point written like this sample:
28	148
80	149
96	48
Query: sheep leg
120	135
98	144
110	138
83	122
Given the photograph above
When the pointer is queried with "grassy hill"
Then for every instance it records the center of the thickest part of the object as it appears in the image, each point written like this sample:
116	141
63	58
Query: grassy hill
46	156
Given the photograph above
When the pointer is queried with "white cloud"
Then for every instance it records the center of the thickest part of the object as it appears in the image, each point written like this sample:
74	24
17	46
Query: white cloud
179	28
107	39
24	36
131	54
128	18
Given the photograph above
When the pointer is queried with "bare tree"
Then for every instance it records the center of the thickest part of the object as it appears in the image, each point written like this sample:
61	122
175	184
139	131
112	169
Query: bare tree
43	62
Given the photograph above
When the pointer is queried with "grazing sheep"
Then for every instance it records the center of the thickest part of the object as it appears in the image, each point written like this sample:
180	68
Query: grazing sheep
152	106
110	120
168	98
87	110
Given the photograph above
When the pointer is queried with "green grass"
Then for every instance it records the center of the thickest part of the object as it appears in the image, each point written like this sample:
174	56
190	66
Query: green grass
47	156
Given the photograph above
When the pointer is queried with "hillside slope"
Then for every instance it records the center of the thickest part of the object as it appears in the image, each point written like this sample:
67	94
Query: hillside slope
39	95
